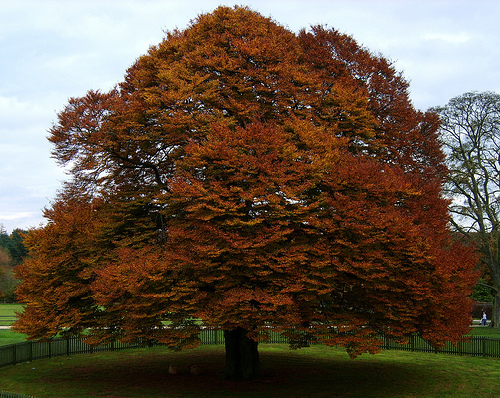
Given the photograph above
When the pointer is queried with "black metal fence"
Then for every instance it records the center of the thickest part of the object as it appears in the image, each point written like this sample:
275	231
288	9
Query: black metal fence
5	394
31	350
474	346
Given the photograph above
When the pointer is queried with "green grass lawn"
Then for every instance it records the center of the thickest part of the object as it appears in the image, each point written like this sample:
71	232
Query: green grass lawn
485	331
7	336
8	313
10	308
311	372
10	337
317	371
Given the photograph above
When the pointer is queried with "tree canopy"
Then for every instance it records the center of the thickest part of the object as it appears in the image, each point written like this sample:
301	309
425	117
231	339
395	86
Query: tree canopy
255	179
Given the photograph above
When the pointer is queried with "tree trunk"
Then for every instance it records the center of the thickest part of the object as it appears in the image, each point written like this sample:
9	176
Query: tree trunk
242	356
495	316
494	267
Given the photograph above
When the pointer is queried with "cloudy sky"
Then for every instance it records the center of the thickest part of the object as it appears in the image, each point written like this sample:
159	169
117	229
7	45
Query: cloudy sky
51	50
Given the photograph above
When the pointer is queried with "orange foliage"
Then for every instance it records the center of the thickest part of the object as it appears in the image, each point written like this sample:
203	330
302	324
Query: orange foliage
252	178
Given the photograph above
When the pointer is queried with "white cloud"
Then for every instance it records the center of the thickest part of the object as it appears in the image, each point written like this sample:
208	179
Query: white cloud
449	38
53	49
15	216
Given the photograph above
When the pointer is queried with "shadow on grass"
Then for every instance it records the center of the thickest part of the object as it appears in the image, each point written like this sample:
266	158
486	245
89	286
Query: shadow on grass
312	372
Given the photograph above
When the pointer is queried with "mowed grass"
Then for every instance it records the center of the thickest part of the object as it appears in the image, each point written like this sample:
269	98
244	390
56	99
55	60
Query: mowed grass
310	372
8	313
485	332
10	337
10	309
7	316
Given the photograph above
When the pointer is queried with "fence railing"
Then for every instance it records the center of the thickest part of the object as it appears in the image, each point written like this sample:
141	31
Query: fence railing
5	394
7	320
31	350
474	346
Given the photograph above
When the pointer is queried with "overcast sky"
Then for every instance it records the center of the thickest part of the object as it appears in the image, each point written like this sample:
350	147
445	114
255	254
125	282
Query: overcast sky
51	50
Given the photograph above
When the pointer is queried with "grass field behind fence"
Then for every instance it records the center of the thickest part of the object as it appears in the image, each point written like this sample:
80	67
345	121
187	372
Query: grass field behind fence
8	313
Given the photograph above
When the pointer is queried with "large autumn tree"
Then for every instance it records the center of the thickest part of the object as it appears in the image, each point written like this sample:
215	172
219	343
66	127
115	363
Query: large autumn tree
255	179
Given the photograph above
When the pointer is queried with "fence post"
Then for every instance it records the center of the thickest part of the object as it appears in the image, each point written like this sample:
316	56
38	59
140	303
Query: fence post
484	346
14	354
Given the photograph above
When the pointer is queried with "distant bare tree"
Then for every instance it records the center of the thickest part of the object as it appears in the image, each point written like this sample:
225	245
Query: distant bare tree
470	133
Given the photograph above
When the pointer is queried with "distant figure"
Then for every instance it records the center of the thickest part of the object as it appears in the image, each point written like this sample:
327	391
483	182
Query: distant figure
484	320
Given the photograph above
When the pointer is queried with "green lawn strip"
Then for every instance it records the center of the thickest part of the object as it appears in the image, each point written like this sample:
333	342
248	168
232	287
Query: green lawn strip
310	372
9	337
485	332
10	309
8	313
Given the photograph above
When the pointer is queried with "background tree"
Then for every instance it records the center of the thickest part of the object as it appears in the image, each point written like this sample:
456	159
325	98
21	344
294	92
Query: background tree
12	253
254	179
470	132
13	244
5	242
7	280
18	251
